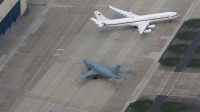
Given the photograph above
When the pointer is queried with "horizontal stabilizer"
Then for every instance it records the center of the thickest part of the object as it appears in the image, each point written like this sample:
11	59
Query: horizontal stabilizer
95	20
112	79
124	75
100	24
126	65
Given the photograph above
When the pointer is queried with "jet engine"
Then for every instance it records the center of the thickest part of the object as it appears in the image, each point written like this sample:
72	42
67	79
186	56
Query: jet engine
101	24
147	31
83	72
151	26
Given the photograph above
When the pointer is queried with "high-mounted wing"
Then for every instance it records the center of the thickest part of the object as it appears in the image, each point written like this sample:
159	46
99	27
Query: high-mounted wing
142	26
125	13
90	73
121	66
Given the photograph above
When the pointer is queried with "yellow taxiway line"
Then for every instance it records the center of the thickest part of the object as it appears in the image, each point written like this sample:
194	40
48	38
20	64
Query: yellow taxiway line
121	79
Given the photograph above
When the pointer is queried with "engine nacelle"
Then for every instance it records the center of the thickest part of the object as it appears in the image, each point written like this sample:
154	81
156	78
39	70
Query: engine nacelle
101	24
151	26
83	72
147	31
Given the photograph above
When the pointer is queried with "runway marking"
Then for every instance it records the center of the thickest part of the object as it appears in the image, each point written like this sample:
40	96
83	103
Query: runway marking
136	53
70	100
60	49
21	40
14	104
46	103
3	98
42	45
35	65
165	83
56	54
174	83
111	96
52	51
120	80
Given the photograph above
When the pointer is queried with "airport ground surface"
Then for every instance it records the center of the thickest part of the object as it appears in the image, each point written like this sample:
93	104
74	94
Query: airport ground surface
48	57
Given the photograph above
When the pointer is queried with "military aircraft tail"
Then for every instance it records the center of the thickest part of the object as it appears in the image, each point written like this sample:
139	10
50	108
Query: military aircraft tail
116	70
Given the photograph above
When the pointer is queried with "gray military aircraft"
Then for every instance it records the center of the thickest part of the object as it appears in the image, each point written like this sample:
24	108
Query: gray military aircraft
112	72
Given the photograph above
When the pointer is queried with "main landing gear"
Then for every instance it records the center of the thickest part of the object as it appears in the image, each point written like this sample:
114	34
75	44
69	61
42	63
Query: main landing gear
170	20
95	78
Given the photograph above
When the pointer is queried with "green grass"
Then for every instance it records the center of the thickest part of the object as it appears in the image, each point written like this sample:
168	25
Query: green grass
171	61
193	23
195	63
179	48
142	105
173	107
186	35
197	51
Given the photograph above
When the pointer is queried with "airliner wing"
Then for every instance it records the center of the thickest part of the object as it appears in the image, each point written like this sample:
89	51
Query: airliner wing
90	73
142	26
121	66
125	13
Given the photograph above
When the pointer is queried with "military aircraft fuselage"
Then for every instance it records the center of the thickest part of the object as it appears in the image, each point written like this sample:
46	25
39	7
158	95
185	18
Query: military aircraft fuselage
98	68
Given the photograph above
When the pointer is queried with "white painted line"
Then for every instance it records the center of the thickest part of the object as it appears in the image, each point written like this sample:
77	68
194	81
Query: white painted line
41	47
56	54
189	11
60	49
174	83
3	98
71	100
55	49
20	41
15	104
153	55
165	83
45	103
141	85
165	37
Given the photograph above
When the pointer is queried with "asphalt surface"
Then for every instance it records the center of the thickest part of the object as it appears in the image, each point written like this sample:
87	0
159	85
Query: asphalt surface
157	103
188	54
45	51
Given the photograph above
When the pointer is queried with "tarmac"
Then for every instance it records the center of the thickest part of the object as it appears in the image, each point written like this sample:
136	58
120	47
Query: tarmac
43	54
188	54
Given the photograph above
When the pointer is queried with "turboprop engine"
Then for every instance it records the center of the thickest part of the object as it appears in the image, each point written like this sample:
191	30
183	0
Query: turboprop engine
151	26
147	31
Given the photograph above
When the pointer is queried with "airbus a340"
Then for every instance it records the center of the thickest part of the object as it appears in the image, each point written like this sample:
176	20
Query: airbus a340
143	23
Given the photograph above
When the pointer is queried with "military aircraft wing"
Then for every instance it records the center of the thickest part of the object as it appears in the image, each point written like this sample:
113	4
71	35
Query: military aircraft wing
89	73
121	66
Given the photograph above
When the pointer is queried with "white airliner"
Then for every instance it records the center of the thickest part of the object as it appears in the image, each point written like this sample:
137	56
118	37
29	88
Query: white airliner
143	23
